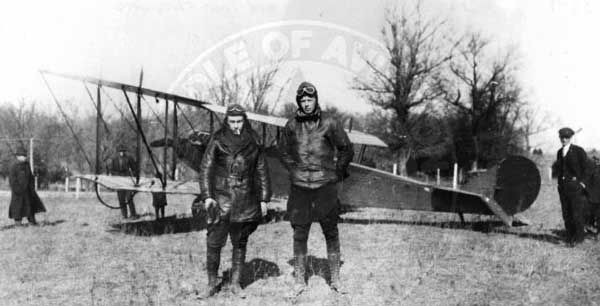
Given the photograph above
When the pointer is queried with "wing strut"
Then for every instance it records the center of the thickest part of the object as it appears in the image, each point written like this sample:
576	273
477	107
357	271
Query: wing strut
143	137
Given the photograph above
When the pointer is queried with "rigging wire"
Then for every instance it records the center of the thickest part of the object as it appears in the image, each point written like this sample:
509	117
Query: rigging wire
96	107
67	121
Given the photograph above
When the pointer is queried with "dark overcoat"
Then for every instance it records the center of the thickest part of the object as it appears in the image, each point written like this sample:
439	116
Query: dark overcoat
24	201
234	173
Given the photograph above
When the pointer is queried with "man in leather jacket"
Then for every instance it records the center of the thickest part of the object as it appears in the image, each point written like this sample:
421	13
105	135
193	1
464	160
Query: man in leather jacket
572	171
307	148
235	188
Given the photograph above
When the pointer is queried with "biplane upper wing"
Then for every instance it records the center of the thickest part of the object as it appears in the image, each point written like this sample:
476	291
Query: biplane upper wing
130	88
145	184
355	136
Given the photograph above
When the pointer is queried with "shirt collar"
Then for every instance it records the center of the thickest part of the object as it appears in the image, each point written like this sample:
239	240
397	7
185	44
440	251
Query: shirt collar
565	149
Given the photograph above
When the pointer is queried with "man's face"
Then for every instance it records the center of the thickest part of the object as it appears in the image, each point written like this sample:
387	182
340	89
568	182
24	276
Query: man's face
565	141
121	153
21	158
235	124
308	104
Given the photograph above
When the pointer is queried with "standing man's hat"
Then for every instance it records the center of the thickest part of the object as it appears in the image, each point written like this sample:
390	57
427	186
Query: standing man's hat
121	148
235	110
21	152
566	132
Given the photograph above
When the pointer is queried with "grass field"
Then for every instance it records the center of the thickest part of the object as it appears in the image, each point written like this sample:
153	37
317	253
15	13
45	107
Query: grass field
84	254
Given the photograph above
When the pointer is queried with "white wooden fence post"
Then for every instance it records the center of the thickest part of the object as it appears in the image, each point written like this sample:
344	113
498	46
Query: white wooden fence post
77	187
395	169
437	176
67	184
455	176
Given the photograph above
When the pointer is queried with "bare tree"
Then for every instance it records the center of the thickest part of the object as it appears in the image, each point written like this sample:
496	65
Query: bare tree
261	84
493	106
534	121
418	51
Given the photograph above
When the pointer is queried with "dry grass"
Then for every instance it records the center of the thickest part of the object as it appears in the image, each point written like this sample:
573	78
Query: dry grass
83	254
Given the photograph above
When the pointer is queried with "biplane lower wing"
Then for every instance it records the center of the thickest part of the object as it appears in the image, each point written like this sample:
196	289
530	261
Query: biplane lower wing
145	184
368	187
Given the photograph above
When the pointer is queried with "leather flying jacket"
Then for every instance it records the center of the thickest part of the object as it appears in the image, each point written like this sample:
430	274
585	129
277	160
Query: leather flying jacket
234	172
307	148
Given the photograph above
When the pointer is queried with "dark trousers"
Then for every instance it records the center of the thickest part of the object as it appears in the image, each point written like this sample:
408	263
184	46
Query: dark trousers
330	231
126	199
216	234
573	203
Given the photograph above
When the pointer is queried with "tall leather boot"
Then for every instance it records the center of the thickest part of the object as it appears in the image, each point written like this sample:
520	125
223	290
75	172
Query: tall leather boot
333	257
213	258
334	269
299	273
237	265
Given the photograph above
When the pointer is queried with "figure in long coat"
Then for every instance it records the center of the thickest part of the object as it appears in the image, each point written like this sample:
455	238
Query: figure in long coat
235	188
24	201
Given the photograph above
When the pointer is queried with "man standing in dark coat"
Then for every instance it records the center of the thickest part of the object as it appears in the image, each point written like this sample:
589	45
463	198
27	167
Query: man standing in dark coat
235	188
572	172
308	147
124	165
24	201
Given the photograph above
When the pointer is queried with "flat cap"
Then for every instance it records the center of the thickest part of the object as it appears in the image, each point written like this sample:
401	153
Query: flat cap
566	132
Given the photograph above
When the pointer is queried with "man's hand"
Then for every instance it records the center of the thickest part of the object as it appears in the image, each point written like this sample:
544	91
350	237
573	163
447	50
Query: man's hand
209	202
263	208
582	184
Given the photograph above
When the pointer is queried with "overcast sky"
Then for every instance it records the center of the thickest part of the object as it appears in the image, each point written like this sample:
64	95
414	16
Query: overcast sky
113	39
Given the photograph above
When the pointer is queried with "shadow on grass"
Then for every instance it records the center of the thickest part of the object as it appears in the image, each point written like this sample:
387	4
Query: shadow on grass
317	266
254	270
167	225
477	226
40	224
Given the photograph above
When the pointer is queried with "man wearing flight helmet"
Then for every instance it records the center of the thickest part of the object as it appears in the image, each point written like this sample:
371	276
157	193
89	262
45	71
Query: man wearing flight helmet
235	188
307	148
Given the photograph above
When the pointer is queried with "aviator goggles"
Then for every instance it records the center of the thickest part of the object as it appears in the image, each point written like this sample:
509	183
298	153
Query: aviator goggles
308	89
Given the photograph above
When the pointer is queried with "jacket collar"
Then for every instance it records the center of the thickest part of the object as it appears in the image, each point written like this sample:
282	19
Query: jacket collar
303	117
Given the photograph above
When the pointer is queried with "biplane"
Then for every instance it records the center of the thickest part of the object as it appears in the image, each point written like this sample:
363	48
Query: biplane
507	189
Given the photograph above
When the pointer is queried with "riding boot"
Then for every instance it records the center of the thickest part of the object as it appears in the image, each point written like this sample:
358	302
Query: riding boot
334	269
237	264
333	257
213	258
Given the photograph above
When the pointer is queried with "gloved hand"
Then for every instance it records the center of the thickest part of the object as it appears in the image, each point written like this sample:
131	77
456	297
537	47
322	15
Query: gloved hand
213	212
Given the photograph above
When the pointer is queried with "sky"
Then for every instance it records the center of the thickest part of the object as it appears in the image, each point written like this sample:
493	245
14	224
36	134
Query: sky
114	39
